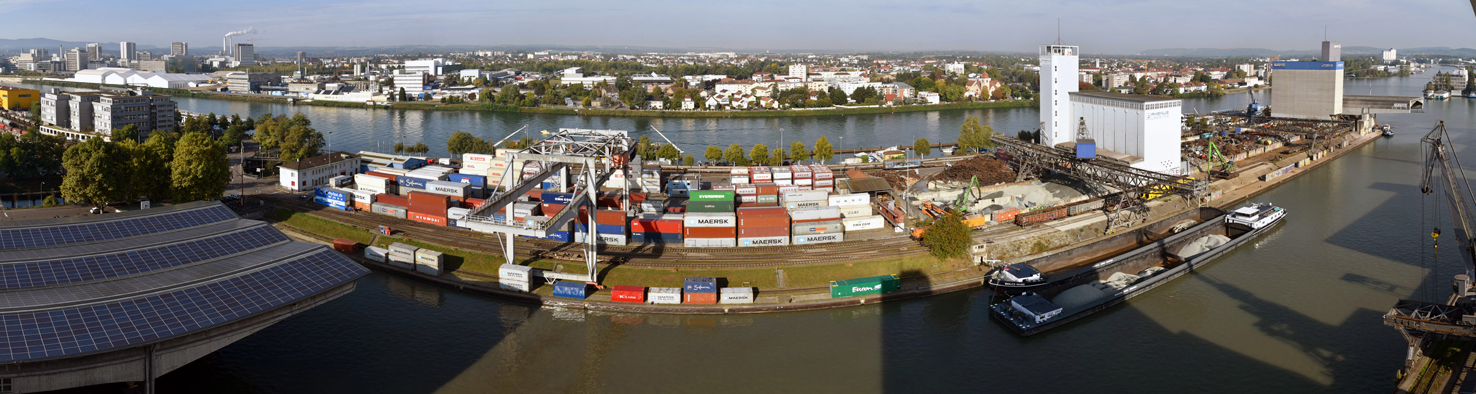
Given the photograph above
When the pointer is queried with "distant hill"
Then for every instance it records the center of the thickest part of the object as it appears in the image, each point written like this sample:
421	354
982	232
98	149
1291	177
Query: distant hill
1261	52
24	44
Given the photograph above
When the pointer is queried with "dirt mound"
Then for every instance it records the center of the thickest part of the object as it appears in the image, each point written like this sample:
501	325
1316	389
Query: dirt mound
893	178
989	171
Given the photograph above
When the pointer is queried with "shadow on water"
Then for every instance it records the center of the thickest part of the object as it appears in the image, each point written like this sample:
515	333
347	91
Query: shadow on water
424	334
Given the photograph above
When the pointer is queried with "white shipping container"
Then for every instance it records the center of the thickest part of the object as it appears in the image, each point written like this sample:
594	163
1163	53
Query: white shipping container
376	189
710	242
710	219
815	213
391	171
514	272
782	240
467	158
515	286
376	253
748	198
604	239
457	213
735	295
365	179
863	223
818	238
738	171
664	295
788	189
456	189
819	183
850	211
738	179
428	262
401	259
363	196
803	182
403	248
850	199
804	204
746	190
796	196
763	177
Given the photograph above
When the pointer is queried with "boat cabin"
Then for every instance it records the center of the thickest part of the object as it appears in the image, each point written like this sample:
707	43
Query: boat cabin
1020	273
1035	307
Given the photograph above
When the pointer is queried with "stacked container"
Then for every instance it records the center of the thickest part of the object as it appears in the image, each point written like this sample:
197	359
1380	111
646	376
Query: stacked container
739	176
454	189
760	175
766	194
763	226
477	184
664	295
804	199
651	180
859	223
852	205
824	178
456	217
700	290
782	176
515	277
570	289
429	262
363	200
736	295
710	229
711	201
802	175
375	183
334	198
816	225
428	208
747	195
374	253
402	255
664	229
634	294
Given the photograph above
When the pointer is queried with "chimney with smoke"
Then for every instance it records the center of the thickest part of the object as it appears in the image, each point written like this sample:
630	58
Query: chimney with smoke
225	42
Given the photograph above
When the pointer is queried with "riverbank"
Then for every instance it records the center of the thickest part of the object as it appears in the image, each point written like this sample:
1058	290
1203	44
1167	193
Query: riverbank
560	110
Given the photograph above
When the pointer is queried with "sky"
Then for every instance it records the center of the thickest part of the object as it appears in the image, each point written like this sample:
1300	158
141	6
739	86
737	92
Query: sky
1101	26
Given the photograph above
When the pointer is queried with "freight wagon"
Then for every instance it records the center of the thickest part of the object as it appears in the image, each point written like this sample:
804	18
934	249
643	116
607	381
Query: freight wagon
1045	215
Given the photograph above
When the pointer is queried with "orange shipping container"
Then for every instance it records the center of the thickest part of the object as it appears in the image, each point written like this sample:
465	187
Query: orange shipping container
699	298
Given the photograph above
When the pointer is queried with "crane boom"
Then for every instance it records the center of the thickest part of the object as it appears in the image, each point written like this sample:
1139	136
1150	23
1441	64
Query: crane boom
1457	190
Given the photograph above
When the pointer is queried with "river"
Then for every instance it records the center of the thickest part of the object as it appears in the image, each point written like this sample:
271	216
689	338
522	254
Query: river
1298	310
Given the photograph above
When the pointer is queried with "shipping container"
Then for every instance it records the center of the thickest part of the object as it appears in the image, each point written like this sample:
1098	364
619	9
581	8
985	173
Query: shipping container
1026	219
403	248
557	198
708	206
390	210
516	272
429	262
634	294
825	227
709	219
664	295
736	295
850	211
412	182
470	179
818	238
709	232
374	253
346	245
362	199
1006	215
763	221
756	232
803	204
570	289
662	225
332	198
815	213
604	239
428	199
746	190
709	242
865	286
863	223
712	196
780	240
516	286
454	189
401	259
699	284
439	220
655	238
378	173
849	199
699	298
767	199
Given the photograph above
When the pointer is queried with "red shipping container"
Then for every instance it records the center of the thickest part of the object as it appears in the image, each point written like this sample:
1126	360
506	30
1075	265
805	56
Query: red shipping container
537	194
425	209
763	221
663	226
710	232
634	294
429	199
423	218
382	175
362	206
754	212
550	209
391	199
757	204
755	232
676	209
603	216
1006	215
767	188
345	245
699	298
475	203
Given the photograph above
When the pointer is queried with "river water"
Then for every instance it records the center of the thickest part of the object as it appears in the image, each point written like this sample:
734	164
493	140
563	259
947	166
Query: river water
1298	310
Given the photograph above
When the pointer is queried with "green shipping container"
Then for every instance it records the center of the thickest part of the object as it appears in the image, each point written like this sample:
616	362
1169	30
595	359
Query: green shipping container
774	198
711	196
696	206
865	286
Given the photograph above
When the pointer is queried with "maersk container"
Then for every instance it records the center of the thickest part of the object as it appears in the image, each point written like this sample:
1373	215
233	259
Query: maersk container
570	289
818	238
710	242
390	210
429	262
635	294
863	223
710	219
865	286
374	253
454	189
599	228
815	213
332	198
401	259
804	204
516	286
516	272
827	227
412	182
470	179
604	239
710	196
736	295
699	284
782	240
655	238
664	295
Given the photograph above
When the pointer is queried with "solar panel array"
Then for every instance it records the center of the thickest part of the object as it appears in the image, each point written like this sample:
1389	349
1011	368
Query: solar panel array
38	335
96	267
35	237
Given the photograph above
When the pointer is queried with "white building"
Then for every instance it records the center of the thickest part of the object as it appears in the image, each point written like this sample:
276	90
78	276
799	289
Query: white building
411	82
435	66
1144	128
573	75
1391	55
799	71
1058	76
130	77
315	171
1249	70
129	52
954	68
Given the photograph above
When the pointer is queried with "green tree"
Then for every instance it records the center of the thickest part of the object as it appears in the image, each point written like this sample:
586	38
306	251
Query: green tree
947	238
97	172
462	142
798	152
645	147
823	150
300	143
420	148
922	147
713	154
200	170
128	132
735	155
269	131
777	158
838	97
972	136
151	166
50	201
689	160
759	154
508	95
399	147
232	137
403	96
669	152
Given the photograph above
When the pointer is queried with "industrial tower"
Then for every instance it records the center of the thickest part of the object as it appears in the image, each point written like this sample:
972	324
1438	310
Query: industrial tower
1058	79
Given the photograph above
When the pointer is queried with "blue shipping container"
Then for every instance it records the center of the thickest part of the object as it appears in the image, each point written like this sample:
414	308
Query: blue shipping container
411	182
474	180
557	198
700	284
655	238
331	198
568	289
601	228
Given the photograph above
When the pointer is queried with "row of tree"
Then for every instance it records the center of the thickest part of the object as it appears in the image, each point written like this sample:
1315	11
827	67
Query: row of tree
183	168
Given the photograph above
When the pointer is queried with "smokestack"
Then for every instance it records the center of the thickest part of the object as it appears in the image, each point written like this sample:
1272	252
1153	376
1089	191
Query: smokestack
226	41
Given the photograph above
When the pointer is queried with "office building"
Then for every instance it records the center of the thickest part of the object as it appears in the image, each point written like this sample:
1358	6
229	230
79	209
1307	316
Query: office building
1332	51
413	83
436	66
94	51
129	52
316	171
140	108
799	71
246	82
1058	64
179	49
156	66
1391	55
245	54
77	60
68	110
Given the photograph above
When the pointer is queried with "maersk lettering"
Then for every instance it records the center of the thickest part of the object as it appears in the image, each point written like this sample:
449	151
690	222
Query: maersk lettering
823	238
713	221
767	241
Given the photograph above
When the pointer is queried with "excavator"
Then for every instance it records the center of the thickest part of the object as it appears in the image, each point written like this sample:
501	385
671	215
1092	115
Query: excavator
960	205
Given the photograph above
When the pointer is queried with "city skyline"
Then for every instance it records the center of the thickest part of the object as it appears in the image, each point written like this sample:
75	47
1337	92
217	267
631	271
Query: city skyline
1119	27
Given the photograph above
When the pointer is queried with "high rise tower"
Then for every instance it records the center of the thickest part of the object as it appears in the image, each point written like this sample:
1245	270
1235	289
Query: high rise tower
1058	79
127	51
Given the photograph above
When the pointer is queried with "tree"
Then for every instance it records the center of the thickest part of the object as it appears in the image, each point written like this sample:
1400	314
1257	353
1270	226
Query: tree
823	151
420	148
462	142
97	172
838	97
508	95
735	155
403	96
269	131
922	147
713	154
645	148
972	136
689	160
128	132
669	152
232	136
798	152
300	143
777	158
759	154
947	238
200	170
152	175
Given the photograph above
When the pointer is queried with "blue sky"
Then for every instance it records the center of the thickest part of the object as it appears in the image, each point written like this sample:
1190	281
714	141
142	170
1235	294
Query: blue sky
1108	26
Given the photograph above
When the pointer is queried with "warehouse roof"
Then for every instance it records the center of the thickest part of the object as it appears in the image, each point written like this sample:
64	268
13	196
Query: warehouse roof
868	185
318	161
1124	97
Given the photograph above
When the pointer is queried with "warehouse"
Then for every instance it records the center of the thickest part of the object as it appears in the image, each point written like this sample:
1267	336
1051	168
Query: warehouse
1307	90
315	171
1144	128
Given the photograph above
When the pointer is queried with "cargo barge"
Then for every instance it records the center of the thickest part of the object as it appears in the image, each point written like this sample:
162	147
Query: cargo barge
1138	271
1054	269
